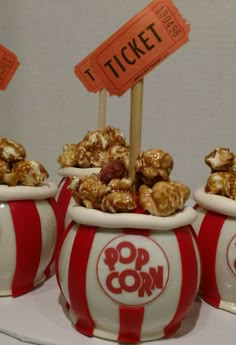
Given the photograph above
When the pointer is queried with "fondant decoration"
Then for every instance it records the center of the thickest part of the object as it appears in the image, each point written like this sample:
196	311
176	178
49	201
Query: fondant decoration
128	280
30	231
140	45
215	227
8	66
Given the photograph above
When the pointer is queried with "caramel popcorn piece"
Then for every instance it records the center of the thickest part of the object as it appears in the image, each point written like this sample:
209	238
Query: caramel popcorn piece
91	192
115	202
233	168
68	157
83	155
154	165
99	158
15	170
96	149
222	183
30	173
10	179
164	198
6	176
222	180
10	151
88	191
115	137
121	197
221	159
112	191
4	169
124	184
118	152
97	140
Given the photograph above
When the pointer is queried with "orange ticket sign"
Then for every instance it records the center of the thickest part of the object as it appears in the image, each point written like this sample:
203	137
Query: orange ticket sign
139	46
8	66
87	76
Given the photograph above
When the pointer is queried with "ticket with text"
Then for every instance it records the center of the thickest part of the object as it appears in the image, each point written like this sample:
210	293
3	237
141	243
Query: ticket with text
87	76
8	66
139	46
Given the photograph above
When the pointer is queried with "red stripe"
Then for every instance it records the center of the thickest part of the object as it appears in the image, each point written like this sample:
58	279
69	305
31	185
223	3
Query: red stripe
59	223
131	320
189	278
58	251
207	241
130	231
64	197
28	245
77	278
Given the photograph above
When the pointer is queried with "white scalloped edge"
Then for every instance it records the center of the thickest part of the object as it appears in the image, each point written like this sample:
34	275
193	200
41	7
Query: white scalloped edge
215	203
83	215
44	191
77	172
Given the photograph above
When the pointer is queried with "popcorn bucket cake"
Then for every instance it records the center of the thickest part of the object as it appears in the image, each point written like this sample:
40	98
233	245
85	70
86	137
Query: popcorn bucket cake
29	221
128	264
215	227
97	148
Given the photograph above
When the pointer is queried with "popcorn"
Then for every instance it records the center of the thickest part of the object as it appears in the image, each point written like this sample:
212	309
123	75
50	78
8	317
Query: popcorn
4	169
15	170
83	155
115	137
112	191
97	140
115	202
11	151
88	191
154	165
221	159
96	149
69	157
222	180
222	183
164	198
30	173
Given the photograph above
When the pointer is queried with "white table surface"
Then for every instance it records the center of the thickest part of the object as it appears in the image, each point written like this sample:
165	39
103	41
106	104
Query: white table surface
39	318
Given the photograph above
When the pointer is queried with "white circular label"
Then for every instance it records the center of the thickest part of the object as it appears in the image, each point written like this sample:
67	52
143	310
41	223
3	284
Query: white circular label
231	254
133	269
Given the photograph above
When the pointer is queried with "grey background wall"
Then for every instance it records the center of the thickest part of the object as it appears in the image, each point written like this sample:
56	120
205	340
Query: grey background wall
189	100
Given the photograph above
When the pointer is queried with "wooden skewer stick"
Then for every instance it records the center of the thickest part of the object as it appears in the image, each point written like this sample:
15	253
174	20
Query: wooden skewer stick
102	108
136	109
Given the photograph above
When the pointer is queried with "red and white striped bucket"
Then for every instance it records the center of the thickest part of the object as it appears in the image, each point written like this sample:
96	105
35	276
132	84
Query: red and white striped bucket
30	228
64	197
215	227
128	277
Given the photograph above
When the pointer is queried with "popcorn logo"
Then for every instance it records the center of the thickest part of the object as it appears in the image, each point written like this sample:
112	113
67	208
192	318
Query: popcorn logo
133	269
231	255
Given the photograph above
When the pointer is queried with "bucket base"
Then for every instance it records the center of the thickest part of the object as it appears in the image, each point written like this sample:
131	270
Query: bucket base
224	305
128	338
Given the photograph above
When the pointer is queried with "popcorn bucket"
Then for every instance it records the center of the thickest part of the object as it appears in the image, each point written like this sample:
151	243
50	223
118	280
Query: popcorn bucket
30	228
64	197
215	227
128	277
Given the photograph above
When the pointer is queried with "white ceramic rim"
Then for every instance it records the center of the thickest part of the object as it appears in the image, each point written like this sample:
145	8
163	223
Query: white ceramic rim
215	203
77	172
44	191
83	215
